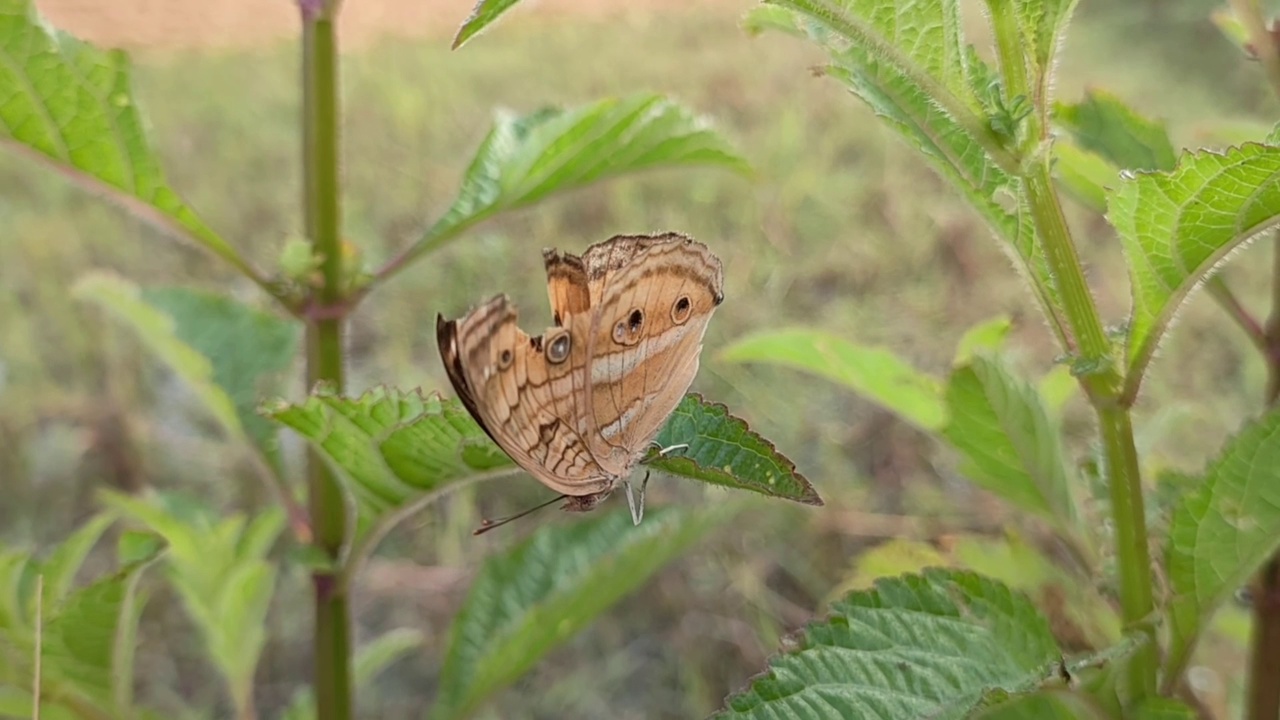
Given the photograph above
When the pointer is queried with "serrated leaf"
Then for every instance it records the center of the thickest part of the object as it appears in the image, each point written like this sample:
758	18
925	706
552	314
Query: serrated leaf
72	105
723	450
218	566
245	347
535	597
1043	23
873	373
1222	532
485	13
60	568
907	61
1102	123
527	158
1177	227
159	333
390	446
1086	175
1010	445
915	646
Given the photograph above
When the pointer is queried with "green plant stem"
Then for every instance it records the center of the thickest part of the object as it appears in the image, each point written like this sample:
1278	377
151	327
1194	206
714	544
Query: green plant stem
1103	386
332	629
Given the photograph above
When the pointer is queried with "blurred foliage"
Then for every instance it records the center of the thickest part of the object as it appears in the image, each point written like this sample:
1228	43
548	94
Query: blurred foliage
842	229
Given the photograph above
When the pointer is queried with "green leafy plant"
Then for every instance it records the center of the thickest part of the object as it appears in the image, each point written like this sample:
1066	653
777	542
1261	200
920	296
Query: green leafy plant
950	644
373	459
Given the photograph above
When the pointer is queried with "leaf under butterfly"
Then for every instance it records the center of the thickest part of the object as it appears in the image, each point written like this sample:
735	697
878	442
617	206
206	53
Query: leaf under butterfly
534	597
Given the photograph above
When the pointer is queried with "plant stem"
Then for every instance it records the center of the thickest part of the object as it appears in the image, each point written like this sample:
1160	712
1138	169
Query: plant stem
1103	384
332	629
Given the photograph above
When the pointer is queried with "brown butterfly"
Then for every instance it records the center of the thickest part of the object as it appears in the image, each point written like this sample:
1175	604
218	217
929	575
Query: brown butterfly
579	406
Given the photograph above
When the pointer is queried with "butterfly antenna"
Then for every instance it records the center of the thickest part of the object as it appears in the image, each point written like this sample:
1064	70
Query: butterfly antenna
486	525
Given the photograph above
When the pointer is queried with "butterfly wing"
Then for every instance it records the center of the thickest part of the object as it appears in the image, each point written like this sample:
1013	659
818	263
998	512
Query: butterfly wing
652	297
521	396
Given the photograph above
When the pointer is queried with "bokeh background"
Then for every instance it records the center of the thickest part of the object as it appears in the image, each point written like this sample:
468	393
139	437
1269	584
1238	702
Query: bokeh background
842	228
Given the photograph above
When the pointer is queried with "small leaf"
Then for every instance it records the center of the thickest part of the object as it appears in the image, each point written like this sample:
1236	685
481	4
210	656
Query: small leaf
873	373
1102	123
60	568
1044	22
1177	227
1222	532
723	450
986	336
527	158
1010	446
532	599
158	331
245	347
71	104
482	15
916	646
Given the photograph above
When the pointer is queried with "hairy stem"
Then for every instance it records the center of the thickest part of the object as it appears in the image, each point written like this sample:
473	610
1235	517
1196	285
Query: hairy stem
332	630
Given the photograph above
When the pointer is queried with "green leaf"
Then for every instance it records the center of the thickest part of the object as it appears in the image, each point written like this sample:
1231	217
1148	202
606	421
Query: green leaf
1177	227
527	158
907	61
916	646
535	597
218	566
873	373
1222	532
723	450
81	643
986	336
159	333
1055	704
1010	445
389	446
60	568
1043	24
1163	708
482	15
1102	123
70	104
1086	175
245	347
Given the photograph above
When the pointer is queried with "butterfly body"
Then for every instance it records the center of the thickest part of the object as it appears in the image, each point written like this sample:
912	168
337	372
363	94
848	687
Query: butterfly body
578	406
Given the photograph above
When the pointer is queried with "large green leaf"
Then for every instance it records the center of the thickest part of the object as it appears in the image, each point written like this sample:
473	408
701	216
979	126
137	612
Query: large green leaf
915	646
723	450
219	567
1177	227
873	373
1222	532
68	103
159	333
390	446
1103	124
527	158
245	347
907	61
1010	444
535	597
485	13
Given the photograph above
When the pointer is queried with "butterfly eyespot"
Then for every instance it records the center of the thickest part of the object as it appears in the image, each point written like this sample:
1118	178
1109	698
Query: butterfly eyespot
504	360
681	310
627	330
558	349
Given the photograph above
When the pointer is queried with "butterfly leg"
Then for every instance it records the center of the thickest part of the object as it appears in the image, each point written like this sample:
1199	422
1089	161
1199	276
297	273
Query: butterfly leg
635	501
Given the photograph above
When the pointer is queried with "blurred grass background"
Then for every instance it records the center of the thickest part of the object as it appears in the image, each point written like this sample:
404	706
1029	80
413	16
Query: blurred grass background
843	228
